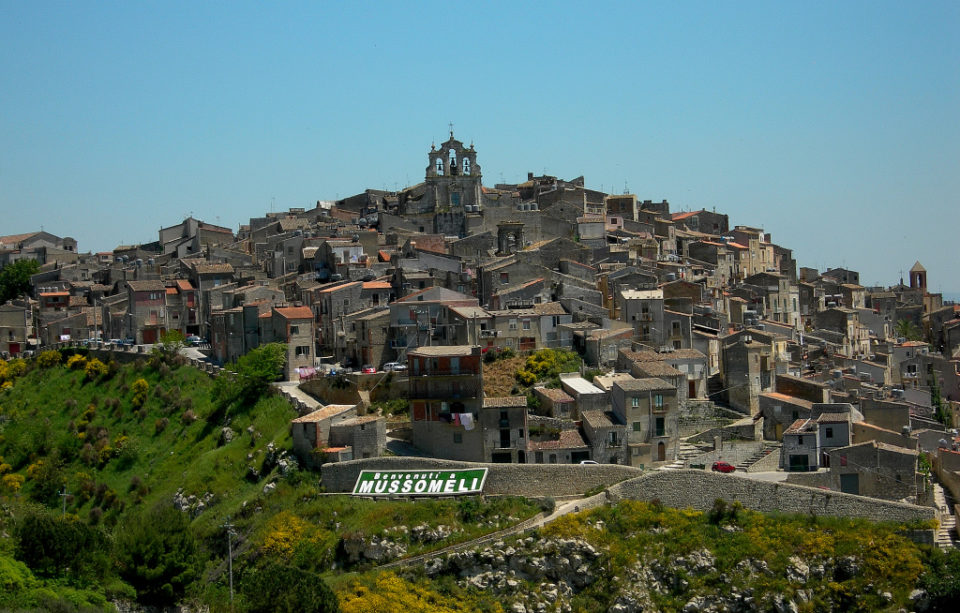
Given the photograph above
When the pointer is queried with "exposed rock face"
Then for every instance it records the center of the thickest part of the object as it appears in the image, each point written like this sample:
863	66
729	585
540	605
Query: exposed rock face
559	568
372	549
192	504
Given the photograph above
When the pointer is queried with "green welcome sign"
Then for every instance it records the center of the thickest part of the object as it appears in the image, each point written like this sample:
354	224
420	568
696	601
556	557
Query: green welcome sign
420	482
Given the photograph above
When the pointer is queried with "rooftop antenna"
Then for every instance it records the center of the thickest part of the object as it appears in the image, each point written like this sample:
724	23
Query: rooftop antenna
272	202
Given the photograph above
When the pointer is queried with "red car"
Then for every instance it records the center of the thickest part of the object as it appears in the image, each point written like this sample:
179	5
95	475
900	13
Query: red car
369	369
724	467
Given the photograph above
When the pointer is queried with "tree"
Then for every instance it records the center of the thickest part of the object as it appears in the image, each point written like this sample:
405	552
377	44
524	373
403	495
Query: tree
55	545
15	278
156	553
907	329
250	377
278	587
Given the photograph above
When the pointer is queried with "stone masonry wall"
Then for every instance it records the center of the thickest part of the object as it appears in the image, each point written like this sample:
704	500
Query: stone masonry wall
698	490
531	480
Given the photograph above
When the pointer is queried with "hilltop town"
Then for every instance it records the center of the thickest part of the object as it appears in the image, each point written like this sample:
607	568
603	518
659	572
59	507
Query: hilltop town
631	334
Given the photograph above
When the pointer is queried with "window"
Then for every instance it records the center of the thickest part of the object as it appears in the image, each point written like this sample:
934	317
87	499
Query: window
829	432
635	402
799	440
513	324
843	460
455	199
458	437
526	324
520	433
504	278
294	329
637	426
658	401
302	351
660	426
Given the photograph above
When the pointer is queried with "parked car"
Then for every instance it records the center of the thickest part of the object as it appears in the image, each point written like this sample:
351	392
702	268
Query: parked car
723	467
394	367
368	369
589	462
193	339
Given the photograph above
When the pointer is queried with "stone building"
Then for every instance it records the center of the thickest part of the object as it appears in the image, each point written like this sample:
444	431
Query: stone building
649	409
446	399
801	447
292	326
874	469
606	435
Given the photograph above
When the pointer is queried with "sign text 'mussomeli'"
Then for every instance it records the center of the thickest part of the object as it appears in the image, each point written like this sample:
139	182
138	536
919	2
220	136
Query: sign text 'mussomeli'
420	482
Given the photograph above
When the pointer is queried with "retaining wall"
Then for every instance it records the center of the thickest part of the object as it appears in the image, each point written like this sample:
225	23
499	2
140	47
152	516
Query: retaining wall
769	462
533	480
698	489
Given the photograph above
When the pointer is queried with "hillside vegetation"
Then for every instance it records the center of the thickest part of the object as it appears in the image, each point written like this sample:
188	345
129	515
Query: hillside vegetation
117	483
122	484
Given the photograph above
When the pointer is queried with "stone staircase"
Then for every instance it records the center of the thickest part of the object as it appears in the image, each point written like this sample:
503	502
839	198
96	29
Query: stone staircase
947	534
766	450
684	453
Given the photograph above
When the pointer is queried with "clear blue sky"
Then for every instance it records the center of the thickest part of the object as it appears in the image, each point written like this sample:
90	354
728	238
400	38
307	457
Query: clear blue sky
833	125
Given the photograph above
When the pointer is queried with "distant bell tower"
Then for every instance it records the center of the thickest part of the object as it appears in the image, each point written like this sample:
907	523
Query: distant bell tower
918	277
453	177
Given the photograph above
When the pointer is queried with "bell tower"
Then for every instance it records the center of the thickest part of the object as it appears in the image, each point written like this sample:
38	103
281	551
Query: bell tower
453	185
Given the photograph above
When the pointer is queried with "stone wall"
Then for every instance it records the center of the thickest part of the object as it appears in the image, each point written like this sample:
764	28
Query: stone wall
743	430
817	479
698	489
533	480
768	463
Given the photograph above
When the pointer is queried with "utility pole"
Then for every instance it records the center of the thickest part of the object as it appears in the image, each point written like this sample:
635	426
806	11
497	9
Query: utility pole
63	494
229	527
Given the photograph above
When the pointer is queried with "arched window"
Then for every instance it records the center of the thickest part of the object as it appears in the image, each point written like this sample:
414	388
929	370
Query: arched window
439	166
453	158
466	166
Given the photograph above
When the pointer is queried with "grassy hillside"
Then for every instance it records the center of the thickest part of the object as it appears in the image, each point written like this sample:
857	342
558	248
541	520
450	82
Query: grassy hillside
155	458
128	443
639	556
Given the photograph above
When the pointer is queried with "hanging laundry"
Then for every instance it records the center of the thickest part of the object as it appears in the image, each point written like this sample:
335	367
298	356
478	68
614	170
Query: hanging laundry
467	420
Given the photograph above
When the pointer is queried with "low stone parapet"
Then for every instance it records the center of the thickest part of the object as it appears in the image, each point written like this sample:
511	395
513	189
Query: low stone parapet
533	480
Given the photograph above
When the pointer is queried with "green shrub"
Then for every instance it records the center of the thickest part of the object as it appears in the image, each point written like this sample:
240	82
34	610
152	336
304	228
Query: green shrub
49	359
140	388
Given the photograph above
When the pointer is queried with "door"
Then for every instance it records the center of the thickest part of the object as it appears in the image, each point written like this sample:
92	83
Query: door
779	434
850	484
799	463
691	389
661	452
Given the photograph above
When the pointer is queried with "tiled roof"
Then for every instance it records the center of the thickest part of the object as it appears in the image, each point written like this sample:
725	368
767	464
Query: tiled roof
505	402
658	369
833	418
331	410
447	350
549	308
569	439
206	269
598	419
295	312
376	285
800	426
554	394
147	286
644	385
